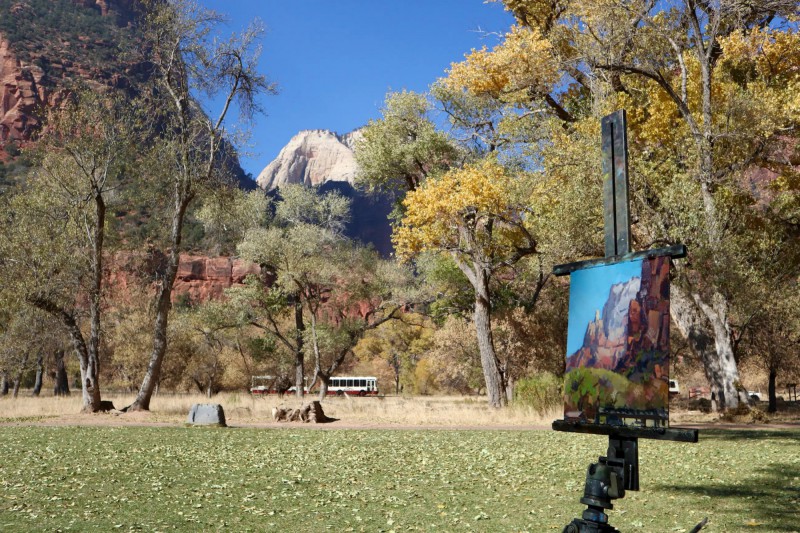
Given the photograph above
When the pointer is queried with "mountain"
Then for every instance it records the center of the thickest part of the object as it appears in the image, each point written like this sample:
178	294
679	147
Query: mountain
313	157
45	45
631	334
325	159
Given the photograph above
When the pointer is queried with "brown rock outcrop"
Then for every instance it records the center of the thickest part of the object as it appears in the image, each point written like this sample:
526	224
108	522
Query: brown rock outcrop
199	278
26	90
21	94
206	278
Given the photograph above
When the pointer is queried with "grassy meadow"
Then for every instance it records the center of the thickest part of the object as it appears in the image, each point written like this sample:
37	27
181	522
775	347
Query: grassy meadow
161	478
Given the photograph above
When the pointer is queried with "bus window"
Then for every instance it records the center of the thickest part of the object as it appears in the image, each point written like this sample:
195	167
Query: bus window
349	382
362	382
334	382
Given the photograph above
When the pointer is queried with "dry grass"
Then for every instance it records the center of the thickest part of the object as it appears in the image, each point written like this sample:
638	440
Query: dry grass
392	411
241	408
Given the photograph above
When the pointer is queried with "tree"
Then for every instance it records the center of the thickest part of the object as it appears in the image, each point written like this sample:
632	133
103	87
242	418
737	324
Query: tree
398	152
321	291
477	215
293	254
27	336
400	344
55	228
366	292
187	60
708	88
454	359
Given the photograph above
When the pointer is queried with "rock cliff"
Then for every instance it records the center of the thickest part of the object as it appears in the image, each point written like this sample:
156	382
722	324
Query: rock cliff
40	51
199	278
21	94
324	159
312	157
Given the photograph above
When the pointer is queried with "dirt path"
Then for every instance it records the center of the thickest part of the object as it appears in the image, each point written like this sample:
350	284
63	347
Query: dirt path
116	419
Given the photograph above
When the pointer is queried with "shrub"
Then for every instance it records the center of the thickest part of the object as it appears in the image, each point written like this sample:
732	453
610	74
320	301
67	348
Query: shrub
542	392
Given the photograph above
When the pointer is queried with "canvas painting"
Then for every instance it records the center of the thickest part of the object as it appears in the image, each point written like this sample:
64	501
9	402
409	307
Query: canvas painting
617	370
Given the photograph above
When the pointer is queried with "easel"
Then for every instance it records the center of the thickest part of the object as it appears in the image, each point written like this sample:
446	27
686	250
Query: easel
618	471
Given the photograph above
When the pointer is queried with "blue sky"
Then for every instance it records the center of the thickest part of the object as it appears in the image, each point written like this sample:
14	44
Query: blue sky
588	292
334	61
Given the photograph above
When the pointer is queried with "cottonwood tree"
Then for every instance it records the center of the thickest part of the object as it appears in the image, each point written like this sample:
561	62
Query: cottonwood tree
315	279
365	292
477	216
189	62
708	88
27	339
54	229
399	151
293	254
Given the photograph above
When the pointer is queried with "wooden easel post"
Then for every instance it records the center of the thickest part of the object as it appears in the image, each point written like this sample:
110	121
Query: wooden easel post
616	205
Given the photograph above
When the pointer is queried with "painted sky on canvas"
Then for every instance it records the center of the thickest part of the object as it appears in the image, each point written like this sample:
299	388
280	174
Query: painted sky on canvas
334	61
588	293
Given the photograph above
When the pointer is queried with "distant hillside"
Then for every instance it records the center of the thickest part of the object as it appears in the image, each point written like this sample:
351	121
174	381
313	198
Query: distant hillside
312	157
48	45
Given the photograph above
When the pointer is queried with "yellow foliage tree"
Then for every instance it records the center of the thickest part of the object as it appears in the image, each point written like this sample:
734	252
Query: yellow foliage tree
476	214
711	93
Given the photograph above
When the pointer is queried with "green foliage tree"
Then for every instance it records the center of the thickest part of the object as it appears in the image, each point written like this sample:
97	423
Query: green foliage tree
54	228
189	60
321	292
293	253
399	151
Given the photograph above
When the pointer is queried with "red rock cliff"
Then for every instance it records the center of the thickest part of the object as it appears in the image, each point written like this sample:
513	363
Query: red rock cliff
199	278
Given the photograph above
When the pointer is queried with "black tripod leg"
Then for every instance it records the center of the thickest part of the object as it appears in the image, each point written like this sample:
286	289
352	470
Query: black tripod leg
699	526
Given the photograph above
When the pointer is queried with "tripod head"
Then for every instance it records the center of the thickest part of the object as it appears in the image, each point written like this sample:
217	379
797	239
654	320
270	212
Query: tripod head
607	480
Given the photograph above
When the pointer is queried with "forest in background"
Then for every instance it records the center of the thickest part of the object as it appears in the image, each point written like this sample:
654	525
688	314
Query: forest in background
484	208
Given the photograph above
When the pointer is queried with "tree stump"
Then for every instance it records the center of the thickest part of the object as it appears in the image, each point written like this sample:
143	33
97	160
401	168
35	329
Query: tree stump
316	414
311	412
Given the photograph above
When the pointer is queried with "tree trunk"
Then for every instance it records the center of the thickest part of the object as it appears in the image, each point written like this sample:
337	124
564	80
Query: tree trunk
163	306
37	385
705	329
299	355
773	398
61	387
90	375
90	392
17	382
483	330
4	384
323	387
397	383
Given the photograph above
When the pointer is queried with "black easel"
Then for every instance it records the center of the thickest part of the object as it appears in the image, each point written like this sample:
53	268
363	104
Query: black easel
618	470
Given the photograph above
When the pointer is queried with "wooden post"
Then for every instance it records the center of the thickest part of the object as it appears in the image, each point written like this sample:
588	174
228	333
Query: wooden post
616	205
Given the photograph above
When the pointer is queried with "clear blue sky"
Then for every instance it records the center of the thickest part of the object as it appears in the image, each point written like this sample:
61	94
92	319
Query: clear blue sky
588	292
334	60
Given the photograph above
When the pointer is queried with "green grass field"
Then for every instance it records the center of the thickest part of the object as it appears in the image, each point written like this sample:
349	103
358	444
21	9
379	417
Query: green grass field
159	479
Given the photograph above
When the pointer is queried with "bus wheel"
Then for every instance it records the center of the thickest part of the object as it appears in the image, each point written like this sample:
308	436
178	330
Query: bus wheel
362	393
339	393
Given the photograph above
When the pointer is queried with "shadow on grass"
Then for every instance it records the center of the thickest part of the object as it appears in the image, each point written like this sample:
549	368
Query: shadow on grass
770	499
790	436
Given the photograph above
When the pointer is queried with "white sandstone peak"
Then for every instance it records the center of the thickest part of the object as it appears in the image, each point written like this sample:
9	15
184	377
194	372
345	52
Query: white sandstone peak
312	157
